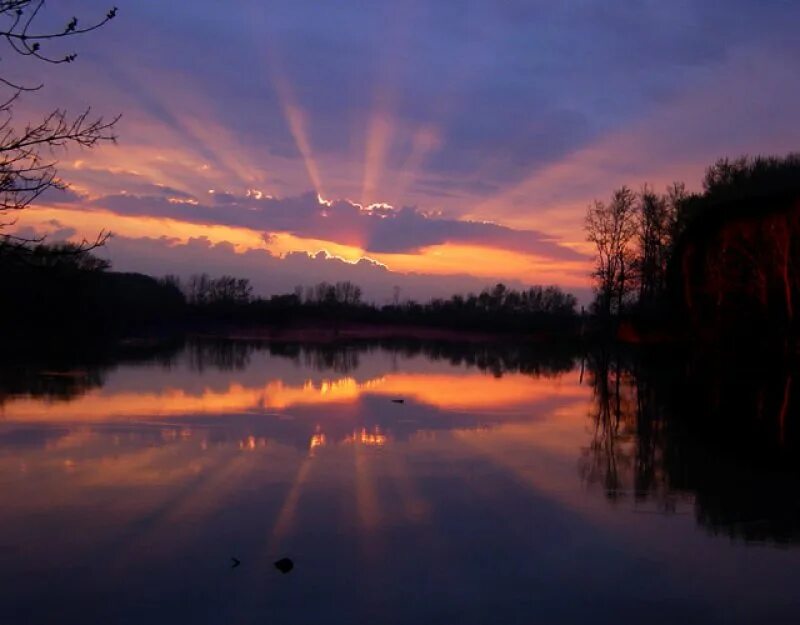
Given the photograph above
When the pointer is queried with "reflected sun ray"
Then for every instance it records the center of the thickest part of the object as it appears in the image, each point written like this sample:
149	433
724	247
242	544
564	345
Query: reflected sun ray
286	516
538	455
367	506
415	508
197	499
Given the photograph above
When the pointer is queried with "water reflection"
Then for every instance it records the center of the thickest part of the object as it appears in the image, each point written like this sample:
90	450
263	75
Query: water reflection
493	493
721	431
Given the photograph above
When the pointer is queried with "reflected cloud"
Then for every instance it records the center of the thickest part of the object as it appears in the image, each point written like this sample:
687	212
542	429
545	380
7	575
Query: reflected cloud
462	392
370	439
494	442
317	440
643	448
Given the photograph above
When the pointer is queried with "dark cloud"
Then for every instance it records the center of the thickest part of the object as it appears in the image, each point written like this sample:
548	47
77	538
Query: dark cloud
381	229
54	195
107	181
55	233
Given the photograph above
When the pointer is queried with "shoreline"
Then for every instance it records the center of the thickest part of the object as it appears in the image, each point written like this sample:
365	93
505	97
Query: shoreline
347	332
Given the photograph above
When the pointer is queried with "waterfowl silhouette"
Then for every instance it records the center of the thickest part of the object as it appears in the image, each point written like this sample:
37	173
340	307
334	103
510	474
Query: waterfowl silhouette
236	562
284	565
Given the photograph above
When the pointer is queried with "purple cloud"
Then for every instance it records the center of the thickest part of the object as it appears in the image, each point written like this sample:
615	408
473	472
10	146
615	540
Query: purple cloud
379	229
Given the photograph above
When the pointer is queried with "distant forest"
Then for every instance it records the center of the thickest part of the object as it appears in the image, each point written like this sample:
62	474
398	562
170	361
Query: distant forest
65	289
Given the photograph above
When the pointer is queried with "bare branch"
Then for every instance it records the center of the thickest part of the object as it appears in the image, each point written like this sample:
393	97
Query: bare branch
19	36
27	159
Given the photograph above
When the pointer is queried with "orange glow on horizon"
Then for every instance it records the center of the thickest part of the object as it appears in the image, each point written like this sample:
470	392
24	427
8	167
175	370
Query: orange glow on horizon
444	259
89	222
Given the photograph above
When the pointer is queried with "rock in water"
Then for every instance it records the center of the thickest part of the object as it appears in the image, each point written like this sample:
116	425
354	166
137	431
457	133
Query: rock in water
284	565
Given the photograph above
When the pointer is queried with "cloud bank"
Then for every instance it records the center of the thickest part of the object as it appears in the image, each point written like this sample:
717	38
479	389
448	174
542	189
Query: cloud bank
377	228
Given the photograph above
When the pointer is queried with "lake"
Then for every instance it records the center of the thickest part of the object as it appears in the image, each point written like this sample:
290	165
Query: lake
408	483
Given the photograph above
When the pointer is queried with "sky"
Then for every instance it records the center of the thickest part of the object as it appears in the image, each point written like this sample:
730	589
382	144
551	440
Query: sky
434	146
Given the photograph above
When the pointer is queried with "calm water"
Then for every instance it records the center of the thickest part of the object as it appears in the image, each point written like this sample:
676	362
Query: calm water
509	487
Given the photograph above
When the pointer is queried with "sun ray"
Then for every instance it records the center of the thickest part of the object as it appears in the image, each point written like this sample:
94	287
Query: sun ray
172	118
425	140
379	136
297	122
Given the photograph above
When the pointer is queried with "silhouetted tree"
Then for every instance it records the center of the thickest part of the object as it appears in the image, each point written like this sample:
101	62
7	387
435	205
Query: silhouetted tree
58	256
62	293
737	256
203	290
725	257
341	293
612	228
654	219
27	165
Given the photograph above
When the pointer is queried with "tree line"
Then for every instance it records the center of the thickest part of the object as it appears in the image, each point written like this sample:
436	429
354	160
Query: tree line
64	289
496	308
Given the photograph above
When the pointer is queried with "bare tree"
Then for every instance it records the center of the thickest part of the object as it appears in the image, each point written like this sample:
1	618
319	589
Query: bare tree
203	290
28	151
655	218
612	227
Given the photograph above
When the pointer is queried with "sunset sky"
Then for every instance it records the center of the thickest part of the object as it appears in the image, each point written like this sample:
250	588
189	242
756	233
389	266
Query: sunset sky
435	146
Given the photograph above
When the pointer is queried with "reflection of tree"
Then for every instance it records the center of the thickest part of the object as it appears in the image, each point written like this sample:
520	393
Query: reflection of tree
344	357
623	453
722	432
497	358
735	447
57	385
63	377
222	354
341	359
532	359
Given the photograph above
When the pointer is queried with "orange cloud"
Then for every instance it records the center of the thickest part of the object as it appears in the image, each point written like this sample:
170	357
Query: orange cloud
444	259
